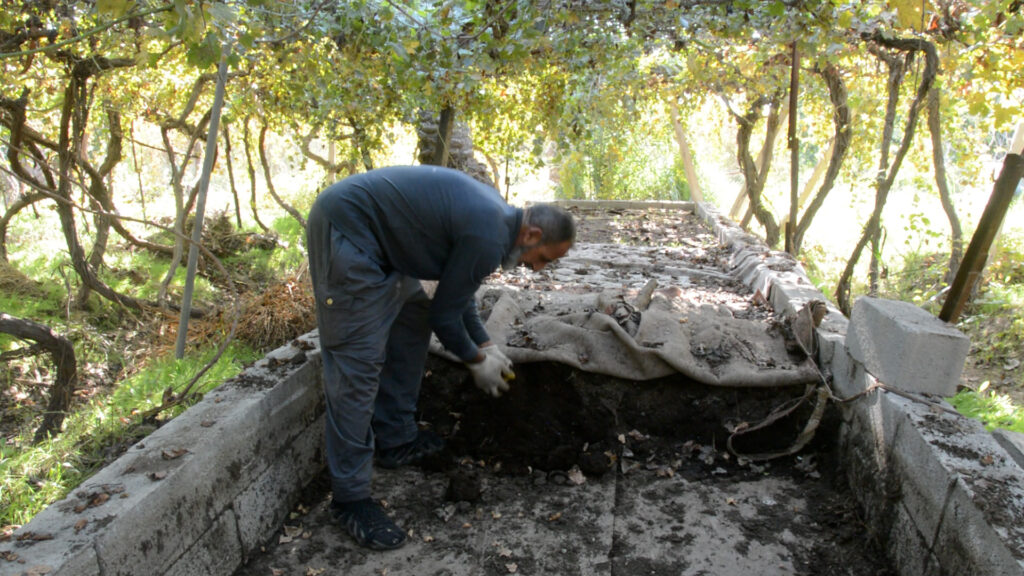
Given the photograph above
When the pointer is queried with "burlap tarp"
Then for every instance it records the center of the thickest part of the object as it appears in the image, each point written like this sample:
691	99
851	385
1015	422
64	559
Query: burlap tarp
635	313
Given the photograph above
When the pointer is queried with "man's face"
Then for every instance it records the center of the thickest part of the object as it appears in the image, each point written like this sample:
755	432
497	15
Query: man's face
537	256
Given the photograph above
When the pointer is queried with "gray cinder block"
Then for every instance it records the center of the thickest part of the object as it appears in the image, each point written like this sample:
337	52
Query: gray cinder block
906	347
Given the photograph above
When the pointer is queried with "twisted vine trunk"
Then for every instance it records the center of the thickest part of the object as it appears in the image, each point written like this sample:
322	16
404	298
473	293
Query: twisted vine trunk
63	354
956	250
887	172
755	179
71	129
251	168
840	146
231	176
270	181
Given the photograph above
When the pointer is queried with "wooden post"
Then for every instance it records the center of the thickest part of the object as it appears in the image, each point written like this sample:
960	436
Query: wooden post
991	219
794	152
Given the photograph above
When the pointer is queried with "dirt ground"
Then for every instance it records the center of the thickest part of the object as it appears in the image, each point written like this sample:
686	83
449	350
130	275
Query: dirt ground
577	473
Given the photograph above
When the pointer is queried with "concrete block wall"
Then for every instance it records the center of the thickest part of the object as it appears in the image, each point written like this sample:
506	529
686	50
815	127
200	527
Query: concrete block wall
943	494
199	494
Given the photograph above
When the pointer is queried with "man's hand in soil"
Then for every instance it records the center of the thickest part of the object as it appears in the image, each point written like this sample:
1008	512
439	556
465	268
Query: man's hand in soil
492	350
489	375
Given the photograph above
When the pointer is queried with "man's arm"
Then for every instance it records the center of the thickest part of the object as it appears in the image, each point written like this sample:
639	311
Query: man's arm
474	324
467	265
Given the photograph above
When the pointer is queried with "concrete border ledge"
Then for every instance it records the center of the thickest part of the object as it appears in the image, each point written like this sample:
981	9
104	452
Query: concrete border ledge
626	204
944	495
204	491
199	494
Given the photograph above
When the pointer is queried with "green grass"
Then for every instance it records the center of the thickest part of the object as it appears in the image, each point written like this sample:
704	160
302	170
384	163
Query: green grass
98	429
32	477
993	409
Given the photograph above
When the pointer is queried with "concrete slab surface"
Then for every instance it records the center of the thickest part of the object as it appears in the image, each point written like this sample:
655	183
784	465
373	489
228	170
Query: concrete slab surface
739	521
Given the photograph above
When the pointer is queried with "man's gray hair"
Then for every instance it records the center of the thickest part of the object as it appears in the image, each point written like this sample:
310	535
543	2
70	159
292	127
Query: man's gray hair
556	224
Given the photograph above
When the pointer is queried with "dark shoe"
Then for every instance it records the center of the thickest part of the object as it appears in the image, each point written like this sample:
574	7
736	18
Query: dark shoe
424	445
366	521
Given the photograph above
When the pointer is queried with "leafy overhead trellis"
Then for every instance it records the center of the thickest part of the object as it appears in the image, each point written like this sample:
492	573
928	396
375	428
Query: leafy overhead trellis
539	81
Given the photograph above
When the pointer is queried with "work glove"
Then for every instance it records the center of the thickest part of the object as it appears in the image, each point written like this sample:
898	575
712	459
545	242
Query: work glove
489	375
494	350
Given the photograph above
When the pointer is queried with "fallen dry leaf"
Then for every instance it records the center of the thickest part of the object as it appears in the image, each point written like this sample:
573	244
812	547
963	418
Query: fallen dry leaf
637	435
80	524
35	536
276	572
157	475
512	568
173	454
987	460
315	571
554	517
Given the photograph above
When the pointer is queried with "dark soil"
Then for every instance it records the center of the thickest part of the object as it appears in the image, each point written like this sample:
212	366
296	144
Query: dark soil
555	417
558	423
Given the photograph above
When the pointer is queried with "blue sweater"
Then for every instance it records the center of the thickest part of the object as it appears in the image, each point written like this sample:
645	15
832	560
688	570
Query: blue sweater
430	223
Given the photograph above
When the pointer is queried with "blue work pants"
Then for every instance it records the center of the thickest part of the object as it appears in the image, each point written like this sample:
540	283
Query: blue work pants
374	335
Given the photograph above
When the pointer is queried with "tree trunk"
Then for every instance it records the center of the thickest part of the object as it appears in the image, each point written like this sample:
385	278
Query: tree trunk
753	178
270	181
329	165
685	154
20	145
763	158
18	205
63	354
99	195
231	176
250	166
445	126
793	141
179	215
939	162
840	146
887	173
138	172
812	182
65	155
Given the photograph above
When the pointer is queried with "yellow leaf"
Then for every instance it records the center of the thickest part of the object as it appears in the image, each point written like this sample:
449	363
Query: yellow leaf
908	12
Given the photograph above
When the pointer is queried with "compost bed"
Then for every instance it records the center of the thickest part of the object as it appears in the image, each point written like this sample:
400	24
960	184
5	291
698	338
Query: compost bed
562	435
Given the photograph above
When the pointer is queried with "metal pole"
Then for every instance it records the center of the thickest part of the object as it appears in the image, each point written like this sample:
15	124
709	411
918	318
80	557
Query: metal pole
204	184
